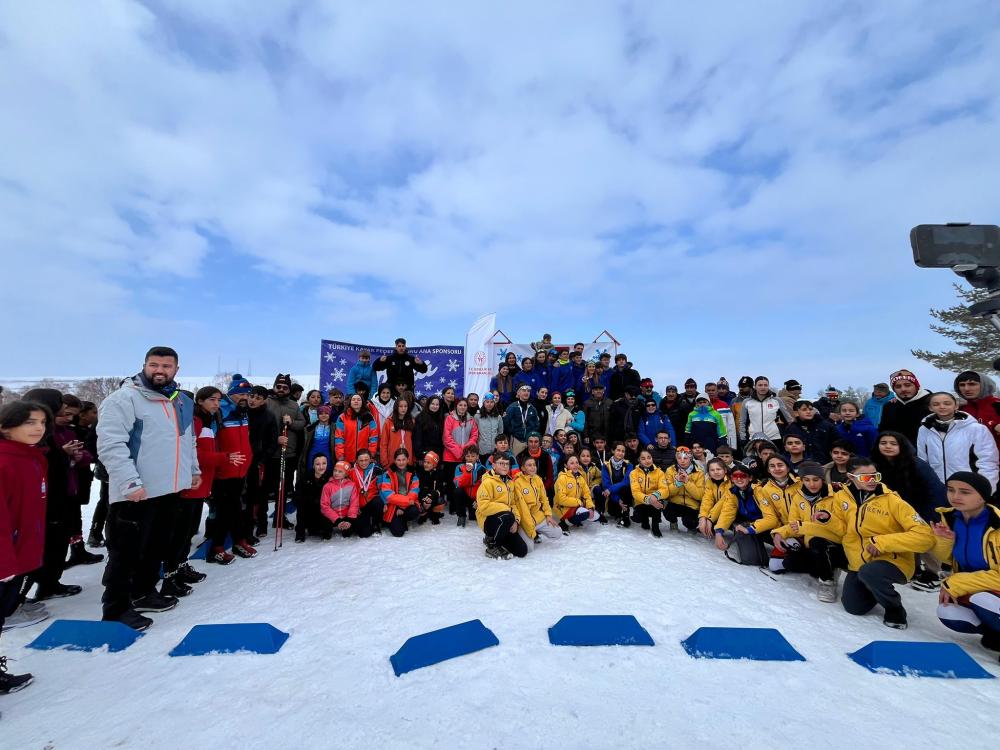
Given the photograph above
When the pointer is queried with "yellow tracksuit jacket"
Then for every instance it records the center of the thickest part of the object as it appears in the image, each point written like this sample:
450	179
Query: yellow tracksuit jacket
533	503
496	494
689	493
645	483
713	498
832	526
888	522
572	491
775	502
962	584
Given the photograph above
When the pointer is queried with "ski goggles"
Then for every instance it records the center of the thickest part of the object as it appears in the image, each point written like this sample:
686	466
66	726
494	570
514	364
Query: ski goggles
866	478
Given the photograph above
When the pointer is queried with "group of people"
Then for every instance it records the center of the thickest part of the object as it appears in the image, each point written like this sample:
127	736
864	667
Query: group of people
897	489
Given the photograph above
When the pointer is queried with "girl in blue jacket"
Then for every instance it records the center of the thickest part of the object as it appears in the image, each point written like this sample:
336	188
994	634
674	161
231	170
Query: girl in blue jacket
652	422
856	429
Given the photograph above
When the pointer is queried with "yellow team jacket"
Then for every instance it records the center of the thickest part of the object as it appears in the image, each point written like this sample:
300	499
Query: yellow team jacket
775	502
802	511
496	495
888	522
593	474
962	584
571	492
645	483
713	498
690	493
533	503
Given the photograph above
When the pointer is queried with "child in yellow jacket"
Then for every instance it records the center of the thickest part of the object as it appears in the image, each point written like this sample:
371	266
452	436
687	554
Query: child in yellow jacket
533	502
968	537
645	480
683	487
498	512
811	538
883	534
717	486
573	502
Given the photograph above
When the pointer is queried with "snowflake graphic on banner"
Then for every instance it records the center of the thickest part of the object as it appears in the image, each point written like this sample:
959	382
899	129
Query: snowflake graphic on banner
338	358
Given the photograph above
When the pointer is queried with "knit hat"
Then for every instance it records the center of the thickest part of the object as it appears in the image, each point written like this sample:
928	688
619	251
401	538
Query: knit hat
977	481
832	390
489	397
343	466
283	380
746	382
646	383
723	382
690	381
533	434
524	388
903	376
811	469
324	410
702	397
239	384
433	457
631	390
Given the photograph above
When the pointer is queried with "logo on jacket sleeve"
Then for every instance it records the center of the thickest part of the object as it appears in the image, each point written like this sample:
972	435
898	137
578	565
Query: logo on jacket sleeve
525	491
845	505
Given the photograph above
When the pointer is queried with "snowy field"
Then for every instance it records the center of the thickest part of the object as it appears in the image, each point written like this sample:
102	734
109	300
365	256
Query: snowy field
349	604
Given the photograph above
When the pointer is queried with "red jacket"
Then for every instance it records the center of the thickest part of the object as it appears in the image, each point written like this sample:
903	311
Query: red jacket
985	411
392	440
352	435
339	500
458	436
395	496
365	493
210	459
234	437
23	469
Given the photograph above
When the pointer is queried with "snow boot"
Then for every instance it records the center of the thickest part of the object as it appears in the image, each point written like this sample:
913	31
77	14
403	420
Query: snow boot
895	617
220	556
253	541
243	549
300	535
173	585
22	619
260	531
96	538
154	601
645	524
626	518
601	519
189	575
58	591
565	528
497	553
78	555
656	530
134	620
11	683
827	591
461	520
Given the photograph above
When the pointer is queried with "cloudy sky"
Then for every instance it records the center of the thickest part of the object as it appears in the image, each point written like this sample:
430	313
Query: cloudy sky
728	188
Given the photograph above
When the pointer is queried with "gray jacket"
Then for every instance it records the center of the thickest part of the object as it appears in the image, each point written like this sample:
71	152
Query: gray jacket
296	430
147	440
489	428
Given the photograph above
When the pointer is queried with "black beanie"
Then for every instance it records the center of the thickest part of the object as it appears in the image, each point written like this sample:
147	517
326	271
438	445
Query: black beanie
283	380
690	381
811	469
977	481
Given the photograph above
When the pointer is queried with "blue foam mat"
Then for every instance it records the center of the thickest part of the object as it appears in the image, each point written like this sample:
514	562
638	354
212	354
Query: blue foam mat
253	637
918	658
85	635
440	645
201	553
599	630
759	644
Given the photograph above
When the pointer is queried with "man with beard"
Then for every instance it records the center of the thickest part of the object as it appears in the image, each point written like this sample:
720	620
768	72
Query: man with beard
911	405
286	413
146	443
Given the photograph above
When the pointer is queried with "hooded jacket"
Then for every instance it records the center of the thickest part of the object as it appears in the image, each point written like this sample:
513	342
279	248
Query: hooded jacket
861	433
279	407
760	416
340	500
830	520
689	493
23	471
650	424
362	373
533	502
817	434
906	416
706	427
986	408
210	459
572	492
966	446
146	439
458	436
234	437
873	407
490	425
397	493
597	418
621	378
496	494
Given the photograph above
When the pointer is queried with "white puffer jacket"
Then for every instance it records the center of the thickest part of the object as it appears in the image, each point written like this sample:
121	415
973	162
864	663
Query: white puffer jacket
966	446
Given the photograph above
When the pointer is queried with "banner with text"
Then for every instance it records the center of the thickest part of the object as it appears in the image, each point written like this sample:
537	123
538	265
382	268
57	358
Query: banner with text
444	366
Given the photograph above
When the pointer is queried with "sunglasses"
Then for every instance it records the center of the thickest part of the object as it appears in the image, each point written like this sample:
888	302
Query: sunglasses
866	478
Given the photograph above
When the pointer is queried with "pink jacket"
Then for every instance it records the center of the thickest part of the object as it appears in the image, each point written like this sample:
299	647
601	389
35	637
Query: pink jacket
458	436
340	500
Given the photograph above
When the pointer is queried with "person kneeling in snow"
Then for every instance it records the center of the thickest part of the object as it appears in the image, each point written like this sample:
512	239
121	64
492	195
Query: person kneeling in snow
968	537
308	491
573	502
535	511
683	486
739	505
811	538
400	491
644	482
498	513
433	489
340	502
883	533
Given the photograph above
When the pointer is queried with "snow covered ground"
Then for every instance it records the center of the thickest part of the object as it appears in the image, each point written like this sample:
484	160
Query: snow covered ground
349	604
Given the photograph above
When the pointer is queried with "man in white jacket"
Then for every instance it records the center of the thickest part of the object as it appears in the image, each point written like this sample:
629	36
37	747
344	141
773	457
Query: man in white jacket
760	412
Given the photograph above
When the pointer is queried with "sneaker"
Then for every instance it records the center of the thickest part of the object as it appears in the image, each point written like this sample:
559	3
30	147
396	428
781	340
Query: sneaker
827	591
895	617
253	541
59	591
926	580
154	602
497	553
220	556
78	555
96	538
260	532
173	585
243	549
626	519
11	683
189	575
461	521
435	520
32	606
22	619
134	620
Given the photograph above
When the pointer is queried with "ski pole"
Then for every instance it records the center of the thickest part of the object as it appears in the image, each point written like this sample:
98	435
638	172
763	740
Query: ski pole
279	508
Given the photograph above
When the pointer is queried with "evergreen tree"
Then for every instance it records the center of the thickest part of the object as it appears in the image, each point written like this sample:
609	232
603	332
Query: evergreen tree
978	340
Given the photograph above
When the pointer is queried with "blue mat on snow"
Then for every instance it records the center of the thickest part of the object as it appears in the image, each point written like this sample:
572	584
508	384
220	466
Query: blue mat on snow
441	645
85	635
255	637
759	644
913	658
599	630
202	552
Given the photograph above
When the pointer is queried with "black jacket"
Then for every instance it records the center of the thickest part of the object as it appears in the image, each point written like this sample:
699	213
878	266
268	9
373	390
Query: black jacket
905	417
620	380
598	418
399	368
263	433
625	418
